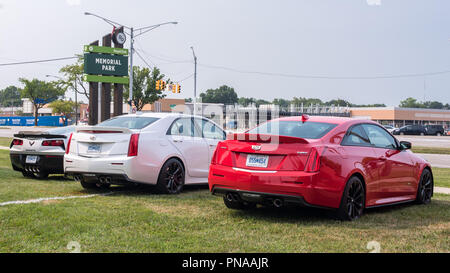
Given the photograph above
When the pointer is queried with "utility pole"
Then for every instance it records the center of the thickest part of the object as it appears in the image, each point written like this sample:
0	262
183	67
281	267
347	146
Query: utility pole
195	81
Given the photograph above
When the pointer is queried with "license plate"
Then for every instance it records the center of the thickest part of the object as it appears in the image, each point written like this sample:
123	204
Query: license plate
93	148
260	161
31	159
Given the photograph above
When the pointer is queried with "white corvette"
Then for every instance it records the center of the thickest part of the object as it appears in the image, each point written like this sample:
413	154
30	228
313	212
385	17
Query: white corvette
166	150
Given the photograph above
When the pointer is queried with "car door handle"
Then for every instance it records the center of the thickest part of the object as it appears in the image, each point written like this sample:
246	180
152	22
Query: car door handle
212	145
177	141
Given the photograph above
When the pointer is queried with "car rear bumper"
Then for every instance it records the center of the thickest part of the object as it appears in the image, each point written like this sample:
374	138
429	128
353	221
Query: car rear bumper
52	164
291	186
118	168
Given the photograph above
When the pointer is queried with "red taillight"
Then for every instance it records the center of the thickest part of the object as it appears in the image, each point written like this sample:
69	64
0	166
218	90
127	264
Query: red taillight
17	142
59	143
214	157
68	144
313	162
133	147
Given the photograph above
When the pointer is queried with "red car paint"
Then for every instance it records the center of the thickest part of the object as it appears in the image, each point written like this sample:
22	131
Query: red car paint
389	175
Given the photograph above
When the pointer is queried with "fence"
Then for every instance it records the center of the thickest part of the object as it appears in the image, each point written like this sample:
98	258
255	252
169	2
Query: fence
51	121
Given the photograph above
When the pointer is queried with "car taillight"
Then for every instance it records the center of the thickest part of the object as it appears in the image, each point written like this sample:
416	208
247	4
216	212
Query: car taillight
214	158
59	143
17	142
313	162
223	156
133	147
68	144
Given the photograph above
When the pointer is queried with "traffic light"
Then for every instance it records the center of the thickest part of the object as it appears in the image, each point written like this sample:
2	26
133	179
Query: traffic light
163	85
158	85
178	88
174	88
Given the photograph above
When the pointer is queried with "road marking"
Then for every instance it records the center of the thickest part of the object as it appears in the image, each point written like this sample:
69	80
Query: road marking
39	200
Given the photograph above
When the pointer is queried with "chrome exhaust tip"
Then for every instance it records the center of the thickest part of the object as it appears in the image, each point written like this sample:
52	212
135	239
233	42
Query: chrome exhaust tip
107	180
230	197
77	178
278	203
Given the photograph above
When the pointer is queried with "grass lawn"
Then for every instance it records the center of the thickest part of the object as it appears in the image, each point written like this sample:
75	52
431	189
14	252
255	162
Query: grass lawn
132	220
5	141
441	177
431	150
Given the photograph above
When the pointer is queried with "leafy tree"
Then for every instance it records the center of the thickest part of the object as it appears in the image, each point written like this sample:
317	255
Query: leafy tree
10	96
433	105
40	93
63	107
223	94
281	102
144	87
410	103
338	102
188	100
73	77
306	101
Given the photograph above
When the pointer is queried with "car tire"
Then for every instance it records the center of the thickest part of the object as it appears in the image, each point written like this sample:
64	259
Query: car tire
237	204
352	201
438	134
422	134
40	175
171	177
425	189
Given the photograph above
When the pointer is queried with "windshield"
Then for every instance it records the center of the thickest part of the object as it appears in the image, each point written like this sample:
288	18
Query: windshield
61	131
129	122
311	130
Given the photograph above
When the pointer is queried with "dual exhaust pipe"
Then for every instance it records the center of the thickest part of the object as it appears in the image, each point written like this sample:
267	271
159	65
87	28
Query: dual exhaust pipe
32	169
234	197
101	180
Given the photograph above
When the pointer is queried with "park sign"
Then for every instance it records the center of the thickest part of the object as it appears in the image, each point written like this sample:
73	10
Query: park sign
105	50
105	64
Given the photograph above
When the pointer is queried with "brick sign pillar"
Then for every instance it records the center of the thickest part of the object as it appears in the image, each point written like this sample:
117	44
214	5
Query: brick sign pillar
106	89
118	88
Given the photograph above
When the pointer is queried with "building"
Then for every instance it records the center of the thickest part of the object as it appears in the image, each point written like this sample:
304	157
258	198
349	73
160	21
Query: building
399	117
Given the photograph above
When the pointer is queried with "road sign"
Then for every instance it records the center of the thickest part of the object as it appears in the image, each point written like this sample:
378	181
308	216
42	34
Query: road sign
106	79
105	50
103	64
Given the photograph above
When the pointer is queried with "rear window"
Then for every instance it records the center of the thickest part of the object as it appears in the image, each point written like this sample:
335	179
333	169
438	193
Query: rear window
309	130
128	122
61	131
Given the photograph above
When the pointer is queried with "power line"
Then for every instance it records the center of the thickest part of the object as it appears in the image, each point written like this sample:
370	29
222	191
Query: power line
39	61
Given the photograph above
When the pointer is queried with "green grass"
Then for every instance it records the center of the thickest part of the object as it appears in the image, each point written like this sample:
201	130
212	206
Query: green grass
5	141
431	150
441	177
133	220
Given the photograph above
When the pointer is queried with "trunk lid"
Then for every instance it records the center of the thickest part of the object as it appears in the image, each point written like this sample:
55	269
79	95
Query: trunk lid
93	141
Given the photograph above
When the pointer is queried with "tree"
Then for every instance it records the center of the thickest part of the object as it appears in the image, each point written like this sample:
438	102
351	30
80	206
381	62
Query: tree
63	107
410	103
223	94
40	93
433	105
338	102
144	87
10	97
281	102
73	77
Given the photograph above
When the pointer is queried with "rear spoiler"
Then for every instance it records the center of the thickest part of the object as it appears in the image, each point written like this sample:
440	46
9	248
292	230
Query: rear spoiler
266	138
34	134
102	130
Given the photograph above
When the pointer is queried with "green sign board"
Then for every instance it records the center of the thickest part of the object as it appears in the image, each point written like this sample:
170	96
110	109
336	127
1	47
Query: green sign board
106	79
103	64
105	50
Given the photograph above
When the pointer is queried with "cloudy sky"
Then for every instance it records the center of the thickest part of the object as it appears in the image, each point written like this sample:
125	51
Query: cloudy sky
324	38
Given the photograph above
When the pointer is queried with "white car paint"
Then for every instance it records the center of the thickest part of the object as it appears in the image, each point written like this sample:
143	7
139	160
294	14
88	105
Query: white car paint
158	142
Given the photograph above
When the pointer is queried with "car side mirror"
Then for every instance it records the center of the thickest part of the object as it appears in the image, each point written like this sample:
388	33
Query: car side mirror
405	145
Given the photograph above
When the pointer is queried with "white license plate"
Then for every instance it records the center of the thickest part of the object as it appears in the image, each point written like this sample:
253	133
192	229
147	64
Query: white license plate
31	159
260	161
93	148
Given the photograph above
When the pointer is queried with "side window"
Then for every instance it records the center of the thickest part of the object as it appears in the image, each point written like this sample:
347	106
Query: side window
379	137
209	129
182	127
356	137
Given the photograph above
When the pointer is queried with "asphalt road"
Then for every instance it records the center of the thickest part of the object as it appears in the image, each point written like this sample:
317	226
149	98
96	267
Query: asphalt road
10	131
427	141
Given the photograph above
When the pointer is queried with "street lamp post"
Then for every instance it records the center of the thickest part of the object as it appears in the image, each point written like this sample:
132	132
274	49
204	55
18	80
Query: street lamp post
133	34
76	97
195	81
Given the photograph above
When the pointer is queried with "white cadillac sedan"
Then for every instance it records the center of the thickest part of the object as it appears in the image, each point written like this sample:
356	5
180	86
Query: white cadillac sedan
161	149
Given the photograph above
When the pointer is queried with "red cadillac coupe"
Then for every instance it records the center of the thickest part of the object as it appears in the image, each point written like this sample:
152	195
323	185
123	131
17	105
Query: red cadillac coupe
326	162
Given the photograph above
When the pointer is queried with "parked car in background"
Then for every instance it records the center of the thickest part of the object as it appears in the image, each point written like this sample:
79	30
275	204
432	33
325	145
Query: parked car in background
38	154
389	128
325	162
410	130
447	132
162	149
437	130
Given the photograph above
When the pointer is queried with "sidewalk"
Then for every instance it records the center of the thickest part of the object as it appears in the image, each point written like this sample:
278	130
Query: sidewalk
436	160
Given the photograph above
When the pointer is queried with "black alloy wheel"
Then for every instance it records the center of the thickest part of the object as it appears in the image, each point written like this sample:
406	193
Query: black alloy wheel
353	200
171	177
425	189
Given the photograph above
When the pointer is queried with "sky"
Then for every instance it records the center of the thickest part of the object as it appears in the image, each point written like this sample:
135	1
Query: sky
319	38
